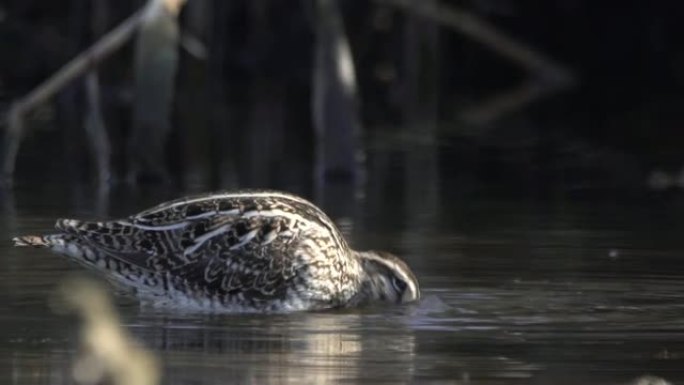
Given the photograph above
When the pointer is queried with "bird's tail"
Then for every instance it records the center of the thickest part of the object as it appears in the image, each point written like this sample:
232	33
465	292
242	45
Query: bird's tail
34	240
114	266
66	242
60	243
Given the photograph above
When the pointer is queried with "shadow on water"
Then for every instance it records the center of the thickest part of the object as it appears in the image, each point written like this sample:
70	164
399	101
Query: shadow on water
513	292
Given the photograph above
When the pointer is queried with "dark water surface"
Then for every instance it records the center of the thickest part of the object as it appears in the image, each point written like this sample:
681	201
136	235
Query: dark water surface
513	292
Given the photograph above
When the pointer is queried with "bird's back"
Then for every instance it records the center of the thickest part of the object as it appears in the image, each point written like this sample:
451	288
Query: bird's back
251	249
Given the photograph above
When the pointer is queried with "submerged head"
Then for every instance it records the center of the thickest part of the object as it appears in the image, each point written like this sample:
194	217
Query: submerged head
388	278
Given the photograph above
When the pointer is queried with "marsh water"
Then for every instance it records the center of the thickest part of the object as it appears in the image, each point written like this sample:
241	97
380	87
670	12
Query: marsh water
519	291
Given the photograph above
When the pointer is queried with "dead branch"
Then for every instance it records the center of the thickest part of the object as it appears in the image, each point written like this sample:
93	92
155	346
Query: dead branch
80	65
547	76
487	34
77	67
504	102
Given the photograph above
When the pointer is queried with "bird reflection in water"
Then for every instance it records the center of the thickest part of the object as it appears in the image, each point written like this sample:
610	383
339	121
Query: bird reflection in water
308	348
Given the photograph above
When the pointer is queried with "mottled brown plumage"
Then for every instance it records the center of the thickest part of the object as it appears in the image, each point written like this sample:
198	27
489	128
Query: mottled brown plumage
236	251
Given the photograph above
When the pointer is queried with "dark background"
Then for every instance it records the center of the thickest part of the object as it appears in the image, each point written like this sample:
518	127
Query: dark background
546	238
609	132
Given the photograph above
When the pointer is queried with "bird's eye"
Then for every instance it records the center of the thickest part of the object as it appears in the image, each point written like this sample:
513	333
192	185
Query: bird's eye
398	284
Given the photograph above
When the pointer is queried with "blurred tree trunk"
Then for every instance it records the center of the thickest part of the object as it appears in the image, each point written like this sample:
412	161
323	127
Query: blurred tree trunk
264	133
193	115
94	120
96	130
421	81
220	158
156	62
70	110
266	105
334	101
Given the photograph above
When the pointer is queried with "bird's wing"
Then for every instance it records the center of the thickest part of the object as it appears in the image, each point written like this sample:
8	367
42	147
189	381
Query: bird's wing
176	245
240	272
224	242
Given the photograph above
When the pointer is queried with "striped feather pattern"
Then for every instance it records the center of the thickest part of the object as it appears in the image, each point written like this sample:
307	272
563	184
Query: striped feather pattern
245	250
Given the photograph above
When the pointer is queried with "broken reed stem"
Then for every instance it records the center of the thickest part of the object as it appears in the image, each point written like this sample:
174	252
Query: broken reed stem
77	67
82	63
96	130
15	124
487	34
547	76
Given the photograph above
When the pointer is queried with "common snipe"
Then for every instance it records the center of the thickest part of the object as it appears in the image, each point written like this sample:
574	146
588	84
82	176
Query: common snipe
236	251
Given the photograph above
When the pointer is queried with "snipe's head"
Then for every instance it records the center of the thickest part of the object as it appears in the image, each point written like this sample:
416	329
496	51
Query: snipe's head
388	278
